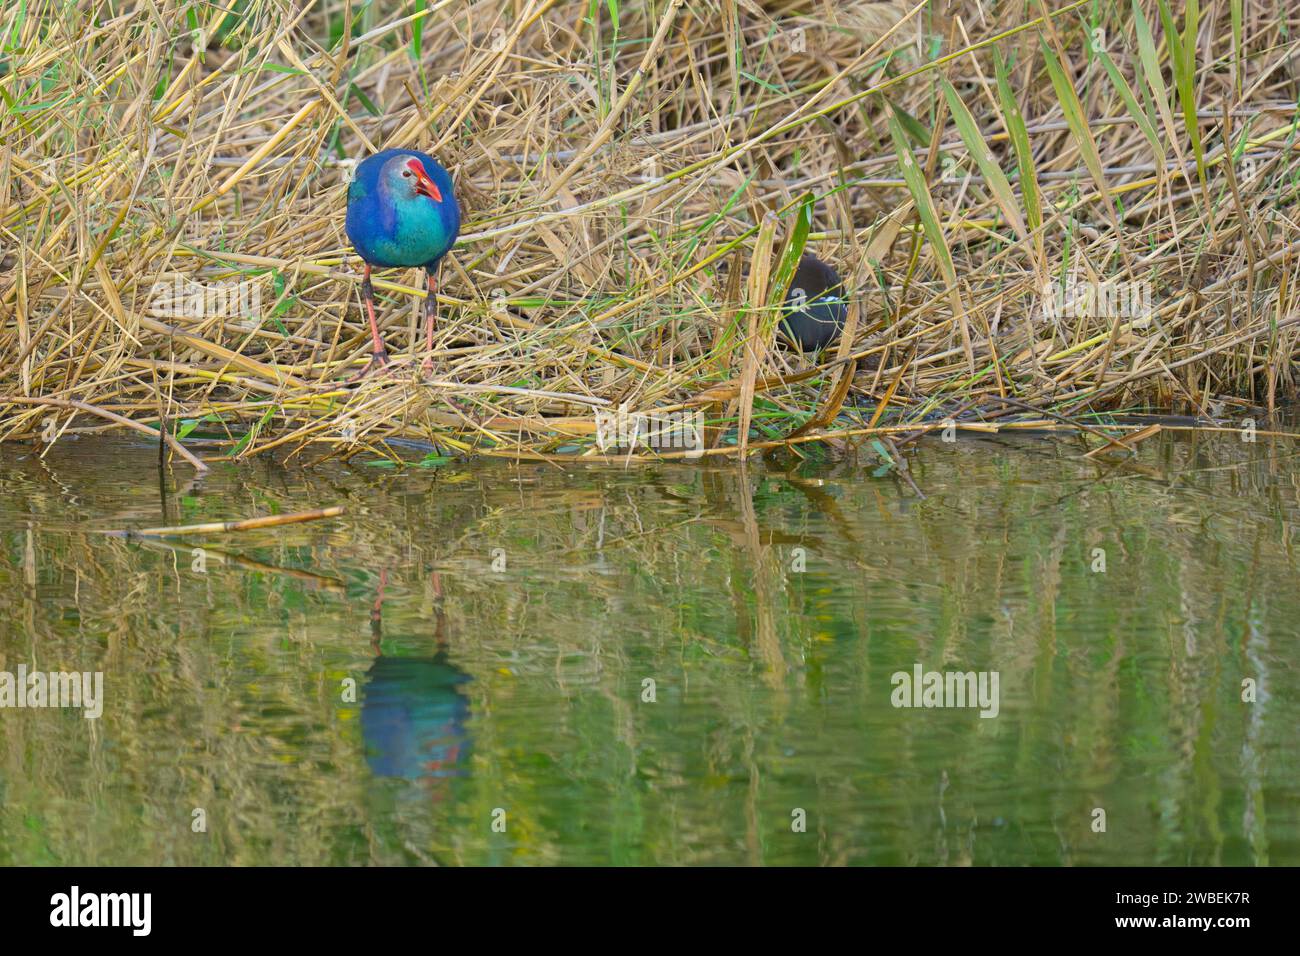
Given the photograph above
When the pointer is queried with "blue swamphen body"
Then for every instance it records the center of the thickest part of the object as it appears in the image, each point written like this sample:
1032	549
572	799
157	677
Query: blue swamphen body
815	307
413	718
413	712
402	212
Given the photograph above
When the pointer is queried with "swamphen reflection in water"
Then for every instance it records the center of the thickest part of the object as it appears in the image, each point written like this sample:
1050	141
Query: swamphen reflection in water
815	306
413	714
402	212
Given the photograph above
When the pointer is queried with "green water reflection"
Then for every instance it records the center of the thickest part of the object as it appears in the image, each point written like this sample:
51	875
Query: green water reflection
500	624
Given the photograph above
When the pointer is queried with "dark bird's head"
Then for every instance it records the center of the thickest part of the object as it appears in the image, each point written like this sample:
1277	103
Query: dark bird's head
406	178
816	306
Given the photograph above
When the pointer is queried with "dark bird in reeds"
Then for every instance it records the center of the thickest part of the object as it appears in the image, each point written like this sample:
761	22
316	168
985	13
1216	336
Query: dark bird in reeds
816	306
402	212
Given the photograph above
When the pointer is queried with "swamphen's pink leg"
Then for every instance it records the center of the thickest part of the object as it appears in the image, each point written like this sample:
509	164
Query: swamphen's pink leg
377	614
380	354
430	321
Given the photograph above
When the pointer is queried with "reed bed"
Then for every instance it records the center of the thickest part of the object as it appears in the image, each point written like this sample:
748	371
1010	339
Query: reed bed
639	179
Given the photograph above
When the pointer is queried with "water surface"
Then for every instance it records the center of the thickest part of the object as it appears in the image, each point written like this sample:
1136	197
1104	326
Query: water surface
501	625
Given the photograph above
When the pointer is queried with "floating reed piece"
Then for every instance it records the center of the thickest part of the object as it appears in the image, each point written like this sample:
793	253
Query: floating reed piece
222	527
1081	208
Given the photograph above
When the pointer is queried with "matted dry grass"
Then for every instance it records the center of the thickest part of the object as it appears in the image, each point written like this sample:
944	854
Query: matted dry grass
637	179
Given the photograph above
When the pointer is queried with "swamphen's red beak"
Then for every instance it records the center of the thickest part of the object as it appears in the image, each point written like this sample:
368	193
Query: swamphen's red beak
423	184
